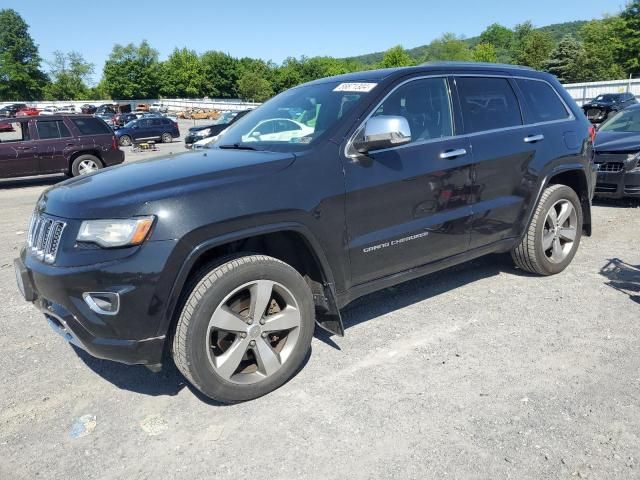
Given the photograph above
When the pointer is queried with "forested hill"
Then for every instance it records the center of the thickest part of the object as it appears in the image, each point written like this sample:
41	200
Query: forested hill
421	54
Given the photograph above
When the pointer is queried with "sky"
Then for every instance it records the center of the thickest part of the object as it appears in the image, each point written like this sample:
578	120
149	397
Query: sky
276	29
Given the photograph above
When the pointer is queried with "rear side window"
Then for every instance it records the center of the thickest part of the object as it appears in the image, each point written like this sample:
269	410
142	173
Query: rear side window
488	104
52	129
91	126
543	103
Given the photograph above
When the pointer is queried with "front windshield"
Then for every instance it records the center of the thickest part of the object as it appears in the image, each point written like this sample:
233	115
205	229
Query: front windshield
296	117
625	121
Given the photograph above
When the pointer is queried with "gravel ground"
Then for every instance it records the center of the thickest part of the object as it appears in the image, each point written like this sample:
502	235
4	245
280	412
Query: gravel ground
479	371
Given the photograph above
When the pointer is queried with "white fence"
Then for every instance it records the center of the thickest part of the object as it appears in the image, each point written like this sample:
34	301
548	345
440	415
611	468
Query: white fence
581	92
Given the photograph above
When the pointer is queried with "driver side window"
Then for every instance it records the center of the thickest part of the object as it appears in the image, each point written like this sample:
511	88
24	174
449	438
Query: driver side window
426	105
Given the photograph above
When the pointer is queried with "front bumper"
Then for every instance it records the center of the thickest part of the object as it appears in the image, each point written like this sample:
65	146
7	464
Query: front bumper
190	139
619	184
131	336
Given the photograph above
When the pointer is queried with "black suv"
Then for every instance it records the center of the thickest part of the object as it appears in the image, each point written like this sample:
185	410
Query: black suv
603	106
11	110
226	259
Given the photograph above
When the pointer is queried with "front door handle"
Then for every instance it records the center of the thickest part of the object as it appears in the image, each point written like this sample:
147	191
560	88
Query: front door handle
533	138
460	152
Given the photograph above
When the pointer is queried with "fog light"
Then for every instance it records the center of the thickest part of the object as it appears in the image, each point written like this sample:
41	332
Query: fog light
104	303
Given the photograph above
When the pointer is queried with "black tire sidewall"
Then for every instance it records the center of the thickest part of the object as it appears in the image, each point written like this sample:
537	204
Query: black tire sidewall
563	193
203	374
75	166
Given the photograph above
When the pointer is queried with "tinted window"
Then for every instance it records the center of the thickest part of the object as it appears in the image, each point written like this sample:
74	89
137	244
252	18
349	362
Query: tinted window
488	104
91	126
144	123
426	106
64	131
543	102
47	130
156	122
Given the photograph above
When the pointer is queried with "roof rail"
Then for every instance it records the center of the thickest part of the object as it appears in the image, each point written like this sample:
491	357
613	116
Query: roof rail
474	64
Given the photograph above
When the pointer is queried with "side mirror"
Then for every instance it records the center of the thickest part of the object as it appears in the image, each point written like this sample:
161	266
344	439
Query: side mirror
384	131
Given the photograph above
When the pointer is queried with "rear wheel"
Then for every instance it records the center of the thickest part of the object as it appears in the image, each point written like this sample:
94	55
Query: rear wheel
553	236
85	164
167	138
245	328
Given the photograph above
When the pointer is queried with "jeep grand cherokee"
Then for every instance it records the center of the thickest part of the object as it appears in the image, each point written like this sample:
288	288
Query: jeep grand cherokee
227	259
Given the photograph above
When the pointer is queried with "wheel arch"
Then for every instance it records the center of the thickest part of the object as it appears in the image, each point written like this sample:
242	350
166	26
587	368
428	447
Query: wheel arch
576	179
291	243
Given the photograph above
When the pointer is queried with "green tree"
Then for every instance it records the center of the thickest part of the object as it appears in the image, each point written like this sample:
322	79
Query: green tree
252	86
449	47
220	73
20	74
182	75
69	73
534	49
497	35
565	61
629	34
485	52
396	57
132	72
502	40
600	58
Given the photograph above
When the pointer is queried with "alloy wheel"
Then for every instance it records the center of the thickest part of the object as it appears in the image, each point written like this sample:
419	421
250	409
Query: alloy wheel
87	166
253	332
560	230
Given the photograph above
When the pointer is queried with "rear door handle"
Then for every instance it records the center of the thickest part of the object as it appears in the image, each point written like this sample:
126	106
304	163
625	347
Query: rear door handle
533	138
460	152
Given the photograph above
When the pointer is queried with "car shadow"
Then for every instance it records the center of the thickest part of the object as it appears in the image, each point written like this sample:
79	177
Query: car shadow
617	202
139	379
623	277
24	182
423	288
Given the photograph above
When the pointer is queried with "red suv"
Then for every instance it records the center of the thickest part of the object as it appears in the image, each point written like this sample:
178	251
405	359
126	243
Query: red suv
71	144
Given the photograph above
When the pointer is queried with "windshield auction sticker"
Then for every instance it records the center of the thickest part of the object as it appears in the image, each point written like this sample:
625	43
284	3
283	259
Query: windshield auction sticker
355	87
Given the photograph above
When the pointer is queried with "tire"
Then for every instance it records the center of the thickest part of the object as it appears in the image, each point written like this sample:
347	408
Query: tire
547	248
166	138
239	356
125	141
85	164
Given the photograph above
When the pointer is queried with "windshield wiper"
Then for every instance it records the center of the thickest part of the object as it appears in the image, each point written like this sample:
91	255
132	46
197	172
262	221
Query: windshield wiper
237	146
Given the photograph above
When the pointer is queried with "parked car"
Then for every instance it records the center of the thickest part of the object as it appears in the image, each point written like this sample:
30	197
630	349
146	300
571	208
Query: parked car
88	108
11	110
28	112
201	132
158	107
69	109
603	106
49	110
74	145
618	155
227	260
106	108
148	128
106	117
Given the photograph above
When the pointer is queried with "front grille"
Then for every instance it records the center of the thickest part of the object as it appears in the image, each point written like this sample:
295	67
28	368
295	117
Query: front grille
610	167
43	238
606	188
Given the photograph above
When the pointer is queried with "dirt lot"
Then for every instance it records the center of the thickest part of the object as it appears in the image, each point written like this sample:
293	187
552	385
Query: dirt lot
477	372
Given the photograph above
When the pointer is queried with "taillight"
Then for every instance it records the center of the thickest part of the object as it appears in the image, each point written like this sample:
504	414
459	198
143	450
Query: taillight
114	143
592	133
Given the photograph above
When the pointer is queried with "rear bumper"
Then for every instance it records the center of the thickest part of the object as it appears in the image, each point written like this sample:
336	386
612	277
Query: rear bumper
618	185
113	157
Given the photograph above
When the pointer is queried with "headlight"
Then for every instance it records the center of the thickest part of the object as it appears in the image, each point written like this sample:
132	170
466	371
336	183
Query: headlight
203	133
115	233
633	156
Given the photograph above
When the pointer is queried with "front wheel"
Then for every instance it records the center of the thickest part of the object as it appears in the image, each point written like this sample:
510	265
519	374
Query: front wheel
553	236
125	141
245	328
167	138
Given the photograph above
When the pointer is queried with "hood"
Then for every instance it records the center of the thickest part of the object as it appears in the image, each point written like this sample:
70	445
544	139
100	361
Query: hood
201	127
128	189
617	142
